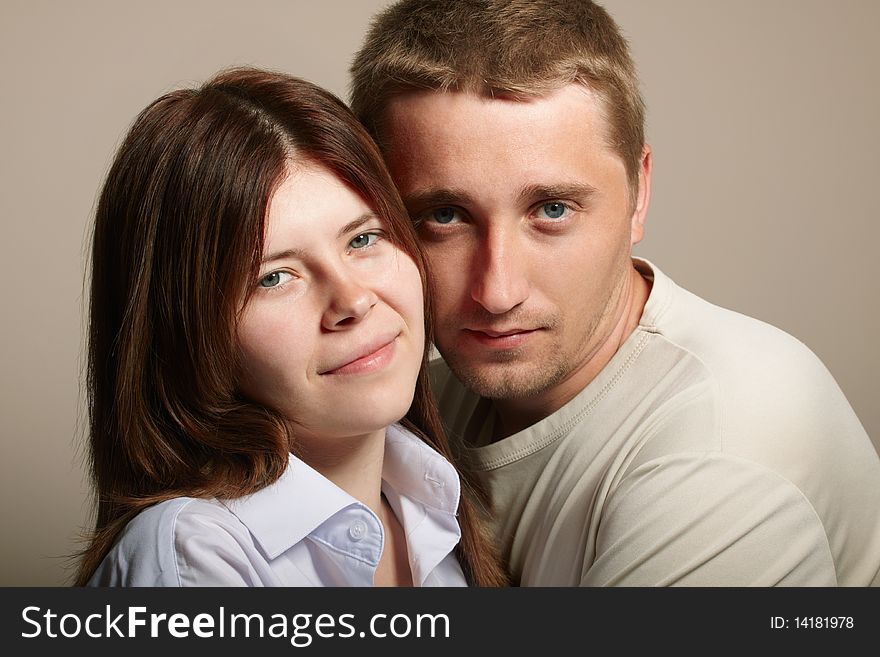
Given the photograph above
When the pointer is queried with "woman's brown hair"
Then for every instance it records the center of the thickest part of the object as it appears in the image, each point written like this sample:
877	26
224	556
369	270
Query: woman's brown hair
178	232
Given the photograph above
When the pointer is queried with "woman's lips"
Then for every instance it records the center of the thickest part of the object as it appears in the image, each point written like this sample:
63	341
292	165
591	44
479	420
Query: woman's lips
370	358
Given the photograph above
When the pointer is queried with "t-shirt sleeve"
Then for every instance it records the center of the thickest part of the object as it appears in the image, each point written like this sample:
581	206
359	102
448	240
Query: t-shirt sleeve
708	519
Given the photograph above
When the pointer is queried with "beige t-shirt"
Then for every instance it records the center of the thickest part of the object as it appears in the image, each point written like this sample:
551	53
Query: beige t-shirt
712	450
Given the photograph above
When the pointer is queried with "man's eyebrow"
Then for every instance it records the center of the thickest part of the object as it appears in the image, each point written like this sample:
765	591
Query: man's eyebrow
445	196
300	253
436	197
577	191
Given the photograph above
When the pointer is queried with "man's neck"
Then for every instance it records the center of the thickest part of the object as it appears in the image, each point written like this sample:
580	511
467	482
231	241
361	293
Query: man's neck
514	415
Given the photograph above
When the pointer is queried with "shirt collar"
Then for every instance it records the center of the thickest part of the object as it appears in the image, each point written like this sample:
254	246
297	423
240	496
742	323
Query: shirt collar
414	470
661	292
282	514
423	489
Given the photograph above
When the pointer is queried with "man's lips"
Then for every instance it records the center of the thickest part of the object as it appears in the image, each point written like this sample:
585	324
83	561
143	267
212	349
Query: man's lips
502	339
501	334
365	357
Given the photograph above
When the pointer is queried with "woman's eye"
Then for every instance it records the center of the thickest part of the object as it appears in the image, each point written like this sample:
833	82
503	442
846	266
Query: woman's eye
553	210
363	240
444	215
274	279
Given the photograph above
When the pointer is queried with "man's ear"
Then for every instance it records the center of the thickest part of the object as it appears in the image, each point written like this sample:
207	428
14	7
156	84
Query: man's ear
643	197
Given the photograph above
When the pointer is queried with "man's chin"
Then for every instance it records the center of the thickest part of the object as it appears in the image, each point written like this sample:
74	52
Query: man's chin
502	381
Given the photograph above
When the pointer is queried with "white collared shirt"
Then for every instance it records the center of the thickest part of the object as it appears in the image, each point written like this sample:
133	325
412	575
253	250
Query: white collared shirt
303	530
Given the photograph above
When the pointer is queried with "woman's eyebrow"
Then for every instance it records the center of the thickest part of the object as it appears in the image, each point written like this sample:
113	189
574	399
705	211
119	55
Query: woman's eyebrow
283	255
300	253
357	223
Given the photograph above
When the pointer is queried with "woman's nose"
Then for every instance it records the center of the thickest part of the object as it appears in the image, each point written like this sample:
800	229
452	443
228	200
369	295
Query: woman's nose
349	302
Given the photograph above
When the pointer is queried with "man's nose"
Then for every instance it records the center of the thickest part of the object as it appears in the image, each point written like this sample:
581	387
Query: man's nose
349	300
499	272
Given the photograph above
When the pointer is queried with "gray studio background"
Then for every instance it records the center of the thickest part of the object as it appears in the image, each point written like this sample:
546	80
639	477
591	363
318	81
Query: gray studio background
762	116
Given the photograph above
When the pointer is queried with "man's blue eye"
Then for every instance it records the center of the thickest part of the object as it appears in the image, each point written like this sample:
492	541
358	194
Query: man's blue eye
554	210
363	240
443	215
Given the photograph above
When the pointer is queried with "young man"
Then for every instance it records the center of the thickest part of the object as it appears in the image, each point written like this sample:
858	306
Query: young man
630	433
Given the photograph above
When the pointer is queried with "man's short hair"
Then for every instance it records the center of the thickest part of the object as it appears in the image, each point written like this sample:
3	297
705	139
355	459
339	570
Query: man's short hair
518	48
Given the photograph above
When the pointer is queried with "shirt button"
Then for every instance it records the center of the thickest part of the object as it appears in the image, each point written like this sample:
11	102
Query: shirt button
357	530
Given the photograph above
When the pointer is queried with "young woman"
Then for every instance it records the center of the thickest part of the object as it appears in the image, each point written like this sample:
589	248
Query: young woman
256	334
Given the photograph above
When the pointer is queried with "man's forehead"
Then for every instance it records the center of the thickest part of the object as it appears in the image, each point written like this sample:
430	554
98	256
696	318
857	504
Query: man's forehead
404	99
437	112
422	122
465	149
